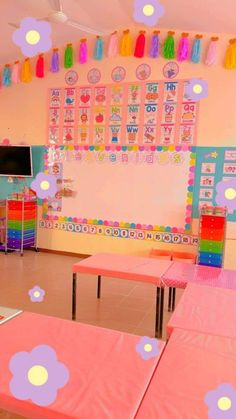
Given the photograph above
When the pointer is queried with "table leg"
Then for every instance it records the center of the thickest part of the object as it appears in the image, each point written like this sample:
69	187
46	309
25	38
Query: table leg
157	312
170	299
74	296
99	286
173	299
161	311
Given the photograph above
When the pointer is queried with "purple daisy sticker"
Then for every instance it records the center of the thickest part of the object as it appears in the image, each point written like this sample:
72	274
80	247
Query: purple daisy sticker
37	375
36	294
221	402
33	36
148	348
197	89
148	11
44	185
226	194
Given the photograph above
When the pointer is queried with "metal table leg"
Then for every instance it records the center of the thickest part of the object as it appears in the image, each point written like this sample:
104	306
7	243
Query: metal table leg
74	285
99	286
159	311
170	299
173	299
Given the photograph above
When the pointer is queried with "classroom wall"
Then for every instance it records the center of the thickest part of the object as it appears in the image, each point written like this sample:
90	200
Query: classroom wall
23	110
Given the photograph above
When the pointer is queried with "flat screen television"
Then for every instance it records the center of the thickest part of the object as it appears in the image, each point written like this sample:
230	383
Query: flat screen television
16	161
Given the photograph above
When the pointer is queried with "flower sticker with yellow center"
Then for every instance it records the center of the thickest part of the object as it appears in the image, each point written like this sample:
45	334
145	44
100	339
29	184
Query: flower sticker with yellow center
148	11
36	294
148	348
33	36
37	375
226	194
44	185
197	89
221	402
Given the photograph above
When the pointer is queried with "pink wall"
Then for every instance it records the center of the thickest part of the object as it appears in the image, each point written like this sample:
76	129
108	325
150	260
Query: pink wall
23	107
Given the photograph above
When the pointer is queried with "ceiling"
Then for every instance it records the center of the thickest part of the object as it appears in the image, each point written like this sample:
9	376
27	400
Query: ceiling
201	16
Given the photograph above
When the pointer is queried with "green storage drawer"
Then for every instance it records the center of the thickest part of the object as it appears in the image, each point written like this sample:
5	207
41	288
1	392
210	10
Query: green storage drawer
17	225
211	246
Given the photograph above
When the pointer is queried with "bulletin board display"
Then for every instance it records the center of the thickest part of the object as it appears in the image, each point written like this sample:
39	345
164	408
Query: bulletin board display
214	166
143	113
138	190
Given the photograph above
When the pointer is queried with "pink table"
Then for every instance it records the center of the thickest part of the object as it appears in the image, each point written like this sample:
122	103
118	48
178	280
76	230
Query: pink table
180	274
192	365
206	310
107	377
125	267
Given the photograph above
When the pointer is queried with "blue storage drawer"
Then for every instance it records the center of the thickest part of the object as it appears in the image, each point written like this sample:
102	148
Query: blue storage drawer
210	263
213	257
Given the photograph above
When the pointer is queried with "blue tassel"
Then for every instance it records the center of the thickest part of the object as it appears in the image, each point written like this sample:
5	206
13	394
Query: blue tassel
196	51
6	78
99	49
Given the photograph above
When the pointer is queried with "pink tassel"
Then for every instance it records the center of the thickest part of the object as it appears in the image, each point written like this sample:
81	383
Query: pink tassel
211	57
113	45
140	45
40	66
183	48
83	51
15	74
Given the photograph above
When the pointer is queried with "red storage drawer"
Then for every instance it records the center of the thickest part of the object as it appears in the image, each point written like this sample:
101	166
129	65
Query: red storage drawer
15	205
210	221
30	205
212	234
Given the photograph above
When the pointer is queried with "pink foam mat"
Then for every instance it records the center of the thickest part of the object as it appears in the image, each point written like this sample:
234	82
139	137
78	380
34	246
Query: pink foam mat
192	365
179	274
107	377
124	266
206	310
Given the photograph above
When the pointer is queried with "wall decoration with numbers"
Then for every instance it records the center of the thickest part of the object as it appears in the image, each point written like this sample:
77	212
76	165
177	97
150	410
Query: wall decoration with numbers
139	200
142	113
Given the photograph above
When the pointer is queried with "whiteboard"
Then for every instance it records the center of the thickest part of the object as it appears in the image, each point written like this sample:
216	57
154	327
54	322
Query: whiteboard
146	194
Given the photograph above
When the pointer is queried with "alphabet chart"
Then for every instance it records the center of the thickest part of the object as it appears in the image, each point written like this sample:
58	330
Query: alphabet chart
142	113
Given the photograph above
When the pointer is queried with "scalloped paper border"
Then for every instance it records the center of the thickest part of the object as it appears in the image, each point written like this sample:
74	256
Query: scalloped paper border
122	224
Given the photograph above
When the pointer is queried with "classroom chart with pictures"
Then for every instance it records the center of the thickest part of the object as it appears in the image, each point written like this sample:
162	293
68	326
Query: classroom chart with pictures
215	175
143	113
114	178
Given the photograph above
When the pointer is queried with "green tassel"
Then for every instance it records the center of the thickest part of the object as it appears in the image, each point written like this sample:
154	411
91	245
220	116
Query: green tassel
169	46
68	58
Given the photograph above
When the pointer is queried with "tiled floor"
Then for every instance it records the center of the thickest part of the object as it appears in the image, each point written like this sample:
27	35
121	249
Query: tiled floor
124	305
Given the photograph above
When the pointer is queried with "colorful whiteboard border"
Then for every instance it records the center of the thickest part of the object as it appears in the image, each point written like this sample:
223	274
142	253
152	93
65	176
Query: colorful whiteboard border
128	225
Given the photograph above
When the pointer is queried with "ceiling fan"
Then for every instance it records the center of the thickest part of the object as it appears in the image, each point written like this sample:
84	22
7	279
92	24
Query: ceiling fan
58	16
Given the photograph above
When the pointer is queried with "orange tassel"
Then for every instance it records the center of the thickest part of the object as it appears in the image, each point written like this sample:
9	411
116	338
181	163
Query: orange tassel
230	57
126	44
26	74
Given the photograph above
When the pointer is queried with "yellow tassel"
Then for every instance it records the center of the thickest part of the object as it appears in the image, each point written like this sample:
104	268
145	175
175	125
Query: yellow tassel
230	57
126	44
26	74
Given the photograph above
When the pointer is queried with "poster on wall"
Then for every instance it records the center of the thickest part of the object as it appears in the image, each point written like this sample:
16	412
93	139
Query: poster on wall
215	179
140	113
